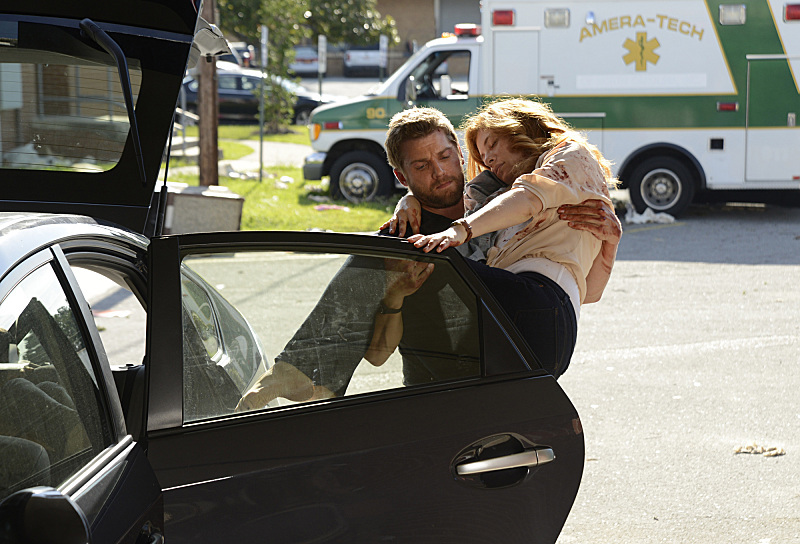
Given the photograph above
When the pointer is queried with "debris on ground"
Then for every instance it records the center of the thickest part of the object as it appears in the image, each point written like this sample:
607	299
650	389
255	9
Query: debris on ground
226	170
325	207
319	198
648	216
756	449
241	175
111	313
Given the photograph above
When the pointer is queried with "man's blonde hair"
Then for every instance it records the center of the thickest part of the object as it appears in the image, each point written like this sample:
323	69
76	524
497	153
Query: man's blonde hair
412	124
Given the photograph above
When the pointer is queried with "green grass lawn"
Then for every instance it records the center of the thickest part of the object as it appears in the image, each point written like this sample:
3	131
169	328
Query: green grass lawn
295	134
276	203
231	150
284	201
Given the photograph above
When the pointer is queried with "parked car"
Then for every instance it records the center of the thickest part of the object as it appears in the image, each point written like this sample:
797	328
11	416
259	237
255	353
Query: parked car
127	430
362	61
238	96
246	52
234	57
306	61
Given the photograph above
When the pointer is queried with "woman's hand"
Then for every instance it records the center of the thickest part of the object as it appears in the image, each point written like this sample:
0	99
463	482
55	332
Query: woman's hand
595	216
452	237
407	213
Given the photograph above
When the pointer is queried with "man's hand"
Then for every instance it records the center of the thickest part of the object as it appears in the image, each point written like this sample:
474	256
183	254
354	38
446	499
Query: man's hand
407	213
595	216
404	278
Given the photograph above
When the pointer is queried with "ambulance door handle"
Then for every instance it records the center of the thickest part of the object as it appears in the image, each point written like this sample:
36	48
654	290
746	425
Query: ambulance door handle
791	120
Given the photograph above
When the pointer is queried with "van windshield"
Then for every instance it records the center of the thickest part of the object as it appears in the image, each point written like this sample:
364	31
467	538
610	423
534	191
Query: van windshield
400	73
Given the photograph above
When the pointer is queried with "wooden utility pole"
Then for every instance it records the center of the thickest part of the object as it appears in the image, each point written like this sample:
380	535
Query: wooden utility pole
207	110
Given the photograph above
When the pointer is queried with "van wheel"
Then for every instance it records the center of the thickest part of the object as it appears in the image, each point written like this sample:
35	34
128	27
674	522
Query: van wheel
360	176
663	184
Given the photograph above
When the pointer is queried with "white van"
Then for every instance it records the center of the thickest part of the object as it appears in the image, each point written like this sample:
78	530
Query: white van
684	96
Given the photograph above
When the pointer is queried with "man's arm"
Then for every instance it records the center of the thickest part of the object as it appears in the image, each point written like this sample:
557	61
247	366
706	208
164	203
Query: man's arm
596	216
404	278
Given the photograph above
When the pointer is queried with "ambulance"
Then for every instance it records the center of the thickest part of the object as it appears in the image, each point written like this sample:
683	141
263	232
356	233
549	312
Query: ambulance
686	97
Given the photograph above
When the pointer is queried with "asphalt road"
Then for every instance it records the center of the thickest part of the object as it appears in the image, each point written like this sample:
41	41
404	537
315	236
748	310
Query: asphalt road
341	86
693	352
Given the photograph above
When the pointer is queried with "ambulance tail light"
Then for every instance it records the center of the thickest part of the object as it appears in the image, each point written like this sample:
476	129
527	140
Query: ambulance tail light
467	30
791	12
503	17
727	106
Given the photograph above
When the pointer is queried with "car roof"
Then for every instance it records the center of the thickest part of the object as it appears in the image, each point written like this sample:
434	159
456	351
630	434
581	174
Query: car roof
26	233
75	148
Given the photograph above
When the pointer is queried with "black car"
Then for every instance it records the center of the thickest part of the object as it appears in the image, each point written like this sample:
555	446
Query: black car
124	354
238	95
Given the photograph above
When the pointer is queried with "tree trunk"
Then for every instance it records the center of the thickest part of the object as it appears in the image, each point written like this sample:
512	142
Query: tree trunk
208	110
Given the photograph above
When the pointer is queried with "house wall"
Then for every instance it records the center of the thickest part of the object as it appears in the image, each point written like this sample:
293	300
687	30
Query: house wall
416	20
452	12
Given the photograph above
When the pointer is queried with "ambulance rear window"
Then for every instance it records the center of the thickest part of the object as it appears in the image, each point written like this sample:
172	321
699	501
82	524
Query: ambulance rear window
732	14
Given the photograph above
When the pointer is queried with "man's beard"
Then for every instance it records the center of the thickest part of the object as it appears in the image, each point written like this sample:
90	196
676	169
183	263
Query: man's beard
441	200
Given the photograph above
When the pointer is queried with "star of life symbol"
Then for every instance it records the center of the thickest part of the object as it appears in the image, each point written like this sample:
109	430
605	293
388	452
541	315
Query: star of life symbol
641	51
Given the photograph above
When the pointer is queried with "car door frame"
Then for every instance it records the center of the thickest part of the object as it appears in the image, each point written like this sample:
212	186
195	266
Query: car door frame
217	461
116	491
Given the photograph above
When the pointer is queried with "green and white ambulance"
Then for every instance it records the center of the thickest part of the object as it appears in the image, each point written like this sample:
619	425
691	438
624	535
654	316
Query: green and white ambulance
684	96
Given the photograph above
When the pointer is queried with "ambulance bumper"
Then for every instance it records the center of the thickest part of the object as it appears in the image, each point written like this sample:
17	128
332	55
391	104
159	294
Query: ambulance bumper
312	166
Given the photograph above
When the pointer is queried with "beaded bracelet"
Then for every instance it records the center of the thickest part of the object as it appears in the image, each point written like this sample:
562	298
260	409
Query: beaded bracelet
467	228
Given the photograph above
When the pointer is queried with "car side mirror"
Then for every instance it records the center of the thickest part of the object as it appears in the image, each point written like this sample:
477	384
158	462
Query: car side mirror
411	91
209	42
42	515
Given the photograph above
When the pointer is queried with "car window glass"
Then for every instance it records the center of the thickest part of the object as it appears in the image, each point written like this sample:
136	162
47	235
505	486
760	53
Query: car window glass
303	323
443	75
197	306
118	315
51	418
70	112
227	83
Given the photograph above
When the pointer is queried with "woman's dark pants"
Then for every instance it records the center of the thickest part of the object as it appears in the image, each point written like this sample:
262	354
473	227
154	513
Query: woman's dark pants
540	309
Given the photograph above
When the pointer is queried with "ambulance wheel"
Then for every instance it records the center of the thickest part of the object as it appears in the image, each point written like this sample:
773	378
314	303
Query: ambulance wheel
663	184
360	176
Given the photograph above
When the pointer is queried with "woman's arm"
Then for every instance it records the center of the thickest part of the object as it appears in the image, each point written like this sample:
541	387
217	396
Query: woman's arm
513	207
596	216
403	279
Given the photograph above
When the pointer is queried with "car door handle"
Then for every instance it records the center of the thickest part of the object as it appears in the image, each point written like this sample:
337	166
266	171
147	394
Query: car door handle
530	458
